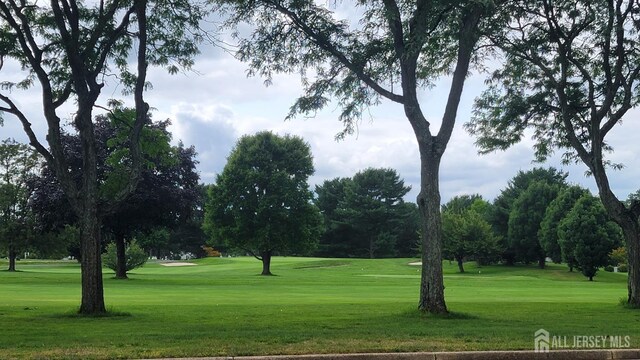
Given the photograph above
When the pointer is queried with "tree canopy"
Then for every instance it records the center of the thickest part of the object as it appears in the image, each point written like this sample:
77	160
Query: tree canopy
366	216
555	213
524	221
591	233
261	202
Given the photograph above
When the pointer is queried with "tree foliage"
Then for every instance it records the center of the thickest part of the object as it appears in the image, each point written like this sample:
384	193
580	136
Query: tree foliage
503	204
591	233
261	203
135	256
366	216
467	234
556	211
166	194
524	221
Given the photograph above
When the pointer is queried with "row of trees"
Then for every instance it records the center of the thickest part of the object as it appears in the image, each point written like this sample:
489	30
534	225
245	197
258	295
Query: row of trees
537	216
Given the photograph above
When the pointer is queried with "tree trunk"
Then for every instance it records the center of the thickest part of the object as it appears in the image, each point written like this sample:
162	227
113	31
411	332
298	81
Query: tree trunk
371	242
628	221
631	230
432	283
121	257
460	264
266	263
91	263
541	262
12	257
590	278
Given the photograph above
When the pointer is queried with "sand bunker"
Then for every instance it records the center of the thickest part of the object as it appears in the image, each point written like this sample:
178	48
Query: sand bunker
416	263
178	264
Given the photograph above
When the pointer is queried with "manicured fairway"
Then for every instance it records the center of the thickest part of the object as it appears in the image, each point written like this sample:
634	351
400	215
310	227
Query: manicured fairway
222	307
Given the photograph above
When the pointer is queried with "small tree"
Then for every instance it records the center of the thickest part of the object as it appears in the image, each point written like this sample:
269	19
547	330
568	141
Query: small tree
468	235
261	203
135	257
594	235
618	256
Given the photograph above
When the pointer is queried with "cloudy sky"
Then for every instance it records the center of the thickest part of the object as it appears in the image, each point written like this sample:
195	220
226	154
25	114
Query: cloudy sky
215	104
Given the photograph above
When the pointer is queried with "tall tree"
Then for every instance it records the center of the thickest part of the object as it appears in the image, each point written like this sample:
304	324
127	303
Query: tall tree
396	48
570	73
261	201
69	47
337	237
556	211
503	204
592	234
467	234
17	162
370	206
524	221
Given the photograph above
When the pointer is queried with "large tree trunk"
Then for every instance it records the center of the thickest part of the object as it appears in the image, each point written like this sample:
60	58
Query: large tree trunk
91	264
266	263
631	231
121	257
12	257
627	219
432	283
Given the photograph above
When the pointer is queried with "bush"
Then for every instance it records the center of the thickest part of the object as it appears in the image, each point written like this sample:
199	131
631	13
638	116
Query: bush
623	268
211	252
136	257
608	268
618	256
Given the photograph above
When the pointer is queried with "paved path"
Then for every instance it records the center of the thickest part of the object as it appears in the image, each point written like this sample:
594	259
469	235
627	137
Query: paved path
471	355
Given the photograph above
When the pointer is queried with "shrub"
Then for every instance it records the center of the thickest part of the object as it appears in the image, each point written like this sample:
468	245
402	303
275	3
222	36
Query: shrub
618	256
211	252
608	268
623	268
136	257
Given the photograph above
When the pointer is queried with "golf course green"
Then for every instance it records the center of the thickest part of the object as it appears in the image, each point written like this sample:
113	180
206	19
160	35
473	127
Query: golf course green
221	306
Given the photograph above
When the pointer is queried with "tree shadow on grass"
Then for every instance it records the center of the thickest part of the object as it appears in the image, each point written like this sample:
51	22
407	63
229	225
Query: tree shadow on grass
76	315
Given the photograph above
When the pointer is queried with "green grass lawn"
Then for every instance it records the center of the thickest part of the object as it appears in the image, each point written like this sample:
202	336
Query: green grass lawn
222	307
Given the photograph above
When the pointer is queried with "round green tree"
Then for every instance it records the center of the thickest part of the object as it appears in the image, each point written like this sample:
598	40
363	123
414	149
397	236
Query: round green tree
261	202
592	234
